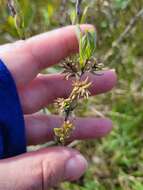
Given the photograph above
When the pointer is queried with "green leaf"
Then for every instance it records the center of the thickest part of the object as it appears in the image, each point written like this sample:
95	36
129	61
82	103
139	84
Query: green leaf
87	45
83	18
73	16
78	32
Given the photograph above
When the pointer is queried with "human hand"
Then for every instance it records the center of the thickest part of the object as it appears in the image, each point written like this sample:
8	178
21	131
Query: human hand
47	167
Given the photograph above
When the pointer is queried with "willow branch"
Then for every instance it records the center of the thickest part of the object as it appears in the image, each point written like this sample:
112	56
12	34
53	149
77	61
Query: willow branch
11	7
127	30
78	9
129	26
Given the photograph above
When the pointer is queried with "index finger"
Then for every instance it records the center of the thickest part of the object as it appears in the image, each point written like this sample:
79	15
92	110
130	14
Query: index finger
26	58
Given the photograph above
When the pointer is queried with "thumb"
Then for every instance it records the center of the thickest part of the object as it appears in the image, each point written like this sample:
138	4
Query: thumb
41	169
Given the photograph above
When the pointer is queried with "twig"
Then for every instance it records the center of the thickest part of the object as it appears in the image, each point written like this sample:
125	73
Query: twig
124	34
129	26
11	7
16	13
78	9
74	143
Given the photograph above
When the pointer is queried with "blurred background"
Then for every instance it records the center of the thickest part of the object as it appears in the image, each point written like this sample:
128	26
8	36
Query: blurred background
115	162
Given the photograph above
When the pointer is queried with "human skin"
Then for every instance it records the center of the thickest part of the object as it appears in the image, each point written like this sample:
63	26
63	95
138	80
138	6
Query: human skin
48	167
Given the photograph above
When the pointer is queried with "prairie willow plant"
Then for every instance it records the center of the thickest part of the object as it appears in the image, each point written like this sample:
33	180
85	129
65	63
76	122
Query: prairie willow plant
76	67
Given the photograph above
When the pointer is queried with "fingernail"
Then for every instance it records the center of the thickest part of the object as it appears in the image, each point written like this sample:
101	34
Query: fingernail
75	167
113	70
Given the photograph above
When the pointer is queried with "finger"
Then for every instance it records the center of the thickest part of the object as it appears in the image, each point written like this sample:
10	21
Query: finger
41	169
39	128
26	58
45	89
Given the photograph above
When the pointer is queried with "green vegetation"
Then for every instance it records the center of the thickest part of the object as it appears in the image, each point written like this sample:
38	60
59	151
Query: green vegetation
116	162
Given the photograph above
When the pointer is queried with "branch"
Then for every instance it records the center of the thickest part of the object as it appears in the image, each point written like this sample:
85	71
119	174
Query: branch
11	7
129	26
78	9
124	34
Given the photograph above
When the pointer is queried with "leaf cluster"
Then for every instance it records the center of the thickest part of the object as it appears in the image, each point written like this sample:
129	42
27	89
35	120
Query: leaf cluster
87	45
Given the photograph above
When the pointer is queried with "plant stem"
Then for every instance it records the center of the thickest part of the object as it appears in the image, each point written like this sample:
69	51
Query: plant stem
11	7
122	36
78	9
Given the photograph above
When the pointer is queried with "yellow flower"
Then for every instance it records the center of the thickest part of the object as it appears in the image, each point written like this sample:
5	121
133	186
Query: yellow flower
64	132
80	89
